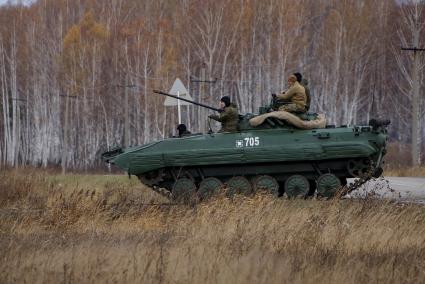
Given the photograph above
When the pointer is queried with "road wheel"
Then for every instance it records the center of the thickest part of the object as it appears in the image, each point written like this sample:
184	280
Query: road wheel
296	186
209	187
239	185
265	183
184	190
328	184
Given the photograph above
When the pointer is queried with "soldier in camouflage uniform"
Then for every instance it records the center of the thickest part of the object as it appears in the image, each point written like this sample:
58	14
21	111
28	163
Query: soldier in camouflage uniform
229	117
295	96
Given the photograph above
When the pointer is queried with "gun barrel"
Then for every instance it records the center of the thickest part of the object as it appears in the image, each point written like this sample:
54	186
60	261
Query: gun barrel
186	100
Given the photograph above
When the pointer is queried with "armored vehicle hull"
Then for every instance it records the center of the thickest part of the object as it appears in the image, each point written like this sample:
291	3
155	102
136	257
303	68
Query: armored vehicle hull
276	158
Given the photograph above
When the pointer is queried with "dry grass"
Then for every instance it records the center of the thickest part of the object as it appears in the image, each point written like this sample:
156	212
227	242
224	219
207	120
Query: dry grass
406	172
398	161
79	229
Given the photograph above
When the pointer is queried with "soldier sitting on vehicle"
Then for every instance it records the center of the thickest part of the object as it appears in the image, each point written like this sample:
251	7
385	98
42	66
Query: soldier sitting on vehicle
304	83
295	97
182	130
229	117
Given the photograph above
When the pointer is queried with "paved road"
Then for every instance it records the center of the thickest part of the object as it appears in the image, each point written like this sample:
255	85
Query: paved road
407	189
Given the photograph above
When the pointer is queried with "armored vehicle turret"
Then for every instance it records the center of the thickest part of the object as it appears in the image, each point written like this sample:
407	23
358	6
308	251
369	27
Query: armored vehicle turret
283	153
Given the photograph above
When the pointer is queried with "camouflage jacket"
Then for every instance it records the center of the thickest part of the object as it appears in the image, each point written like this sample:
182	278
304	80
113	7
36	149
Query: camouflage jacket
229	119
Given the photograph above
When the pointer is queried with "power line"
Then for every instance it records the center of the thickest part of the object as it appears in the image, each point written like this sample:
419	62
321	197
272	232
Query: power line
412	49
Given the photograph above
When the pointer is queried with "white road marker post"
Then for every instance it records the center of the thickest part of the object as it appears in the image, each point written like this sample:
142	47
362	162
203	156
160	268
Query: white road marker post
178	108
179	90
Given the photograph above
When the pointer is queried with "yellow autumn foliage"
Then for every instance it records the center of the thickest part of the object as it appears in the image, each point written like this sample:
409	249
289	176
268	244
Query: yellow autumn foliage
72	38
83	41
84	33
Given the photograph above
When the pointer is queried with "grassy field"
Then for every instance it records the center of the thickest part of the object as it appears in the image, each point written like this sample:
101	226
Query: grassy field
406	172
109	229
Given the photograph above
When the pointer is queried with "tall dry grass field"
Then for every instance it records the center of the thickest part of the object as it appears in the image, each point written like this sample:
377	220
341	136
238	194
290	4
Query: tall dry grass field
406	172
84	229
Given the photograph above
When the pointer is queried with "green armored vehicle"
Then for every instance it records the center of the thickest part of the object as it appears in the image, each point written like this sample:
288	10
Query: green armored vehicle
283	153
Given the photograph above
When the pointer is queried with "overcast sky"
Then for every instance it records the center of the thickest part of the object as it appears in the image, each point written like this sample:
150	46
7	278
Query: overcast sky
2	2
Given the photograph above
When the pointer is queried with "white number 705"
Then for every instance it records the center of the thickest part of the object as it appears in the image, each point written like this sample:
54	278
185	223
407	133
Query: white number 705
252	141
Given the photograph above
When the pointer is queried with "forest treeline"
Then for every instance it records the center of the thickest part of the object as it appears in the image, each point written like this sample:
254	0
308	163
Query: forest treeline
76	76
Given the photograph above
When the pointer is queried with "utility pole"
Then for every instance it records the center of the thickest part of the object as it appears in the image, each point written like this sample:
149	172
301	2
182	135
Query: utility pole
202	83
415	101
202	93
126	118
